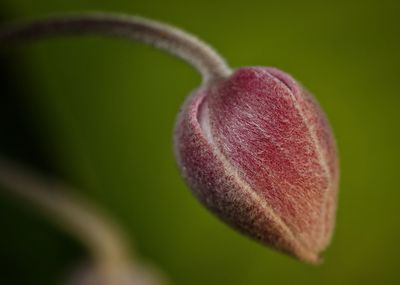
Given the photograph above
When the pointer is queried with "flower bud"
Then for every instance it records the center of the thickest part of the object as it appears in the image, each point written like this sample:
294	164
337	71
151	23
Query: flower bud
257	150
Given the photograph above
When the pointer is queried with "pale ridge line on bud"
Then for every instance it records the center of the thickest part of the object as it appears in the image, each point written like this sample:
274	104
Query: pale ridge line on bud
320	156
163	36
300	248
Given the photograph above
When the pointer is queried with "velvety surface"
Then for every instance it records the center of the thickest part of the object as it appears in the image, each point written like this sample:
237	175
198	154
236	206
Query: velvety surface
259	151
103	114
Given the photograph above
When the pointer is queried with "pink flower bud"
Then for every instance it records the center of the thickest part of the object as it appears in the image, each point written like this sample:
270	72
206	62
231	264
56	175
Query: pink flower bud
258	151
254	146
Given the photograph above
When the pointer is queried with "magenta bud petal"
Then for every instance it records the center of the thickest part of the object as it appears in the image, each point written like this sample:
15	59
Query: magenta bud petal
258	151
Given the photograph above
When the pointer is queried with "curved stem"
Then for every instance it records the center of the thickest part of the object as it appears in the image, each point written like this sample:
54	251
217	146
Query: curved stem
75	215
206	60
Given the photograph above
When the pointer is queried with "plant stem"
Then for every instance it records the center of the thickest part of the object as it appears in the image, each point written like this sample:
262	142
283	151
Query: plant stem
81	219
173	40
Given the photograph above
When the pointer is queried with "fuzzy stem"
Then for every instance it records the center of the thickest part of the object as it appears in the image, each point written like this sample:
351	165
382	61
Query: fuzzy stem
72	213
173	40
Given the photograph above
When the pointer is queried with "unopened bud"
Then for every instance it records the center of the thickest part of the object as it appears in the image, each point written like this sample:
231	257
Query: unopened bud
258	151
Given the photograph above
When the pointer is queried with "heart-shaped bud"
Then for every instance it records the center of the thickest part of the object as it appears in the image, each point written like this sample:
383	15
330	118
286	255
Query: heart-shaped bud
258	151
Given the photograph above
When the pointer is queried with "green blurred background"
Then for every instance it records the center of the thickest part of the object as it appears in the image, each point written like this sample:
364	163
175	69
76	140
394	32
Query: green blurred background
100	114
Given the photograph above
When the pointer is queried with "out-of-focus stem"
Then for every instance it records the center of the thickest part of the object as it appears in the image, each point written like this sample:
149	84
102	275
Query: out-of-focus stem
78	217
